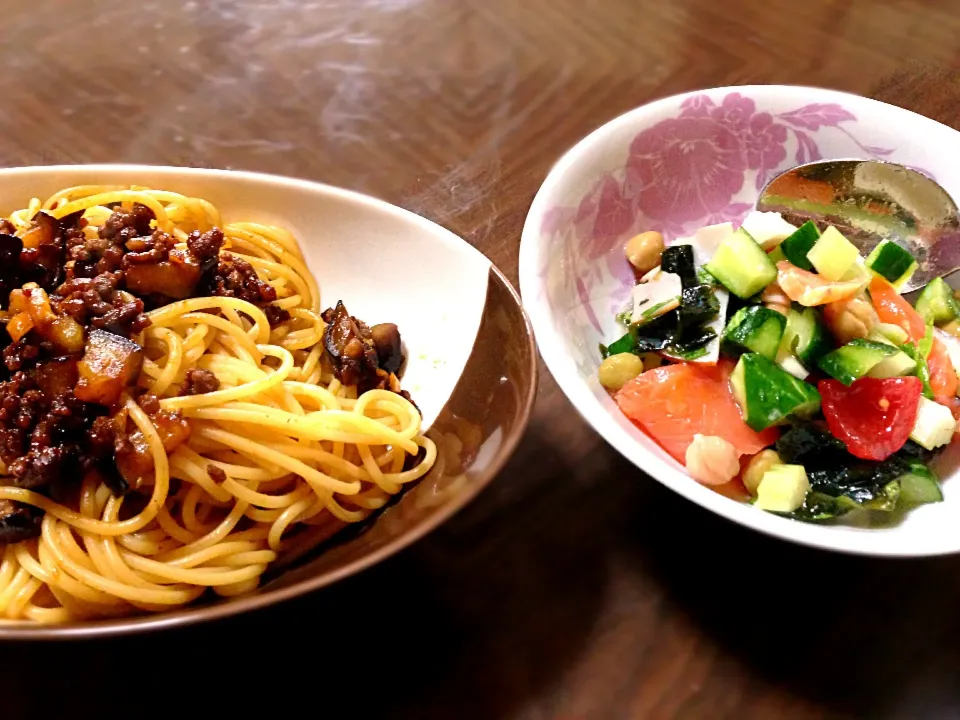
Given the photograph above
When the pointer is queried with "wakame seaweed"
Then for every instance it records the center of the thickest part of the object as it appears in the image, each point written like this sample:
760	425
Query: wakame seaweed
698	305
840	482
678	259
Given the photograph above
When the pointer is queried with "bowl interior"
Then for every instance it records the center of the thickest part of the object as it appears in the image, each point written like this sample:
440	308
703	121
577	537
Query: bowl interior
676	165
471	358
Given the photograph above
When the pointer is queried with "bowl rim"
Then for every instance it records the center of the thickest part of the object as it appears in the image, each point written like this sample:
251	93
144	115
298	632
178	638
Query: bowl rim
227	607
843	539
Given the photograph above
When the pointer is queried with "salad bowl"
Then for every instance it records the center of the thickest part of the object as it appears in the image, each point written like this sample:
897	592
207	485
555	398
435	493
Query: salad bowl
677	165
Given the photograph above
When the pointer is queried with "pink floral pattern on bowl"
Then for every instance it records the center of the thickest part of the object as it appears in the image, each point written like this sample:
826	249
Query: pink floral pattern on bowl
705	165
675	165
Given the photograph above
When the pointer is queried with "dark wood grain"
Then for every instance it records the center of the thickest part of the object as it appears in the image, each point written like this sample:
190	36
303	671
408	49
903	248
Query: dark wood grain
575	587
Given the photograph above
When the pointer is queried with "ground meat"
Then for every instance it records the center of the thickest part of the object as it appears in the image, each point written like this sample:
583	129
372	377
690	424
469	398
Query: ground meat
198	382
88	257
205	247
44	467
98	302
24	353
44	428
216	474
7	227
235	277
124	225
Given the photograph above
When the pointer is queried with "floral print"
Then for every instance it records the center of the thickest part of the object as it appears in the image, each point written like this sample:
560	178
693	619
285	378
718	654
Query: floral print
704	166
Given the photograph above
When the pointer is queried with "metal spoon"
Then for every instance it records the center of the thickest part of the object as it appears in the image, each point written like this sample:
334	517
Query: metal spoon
868	201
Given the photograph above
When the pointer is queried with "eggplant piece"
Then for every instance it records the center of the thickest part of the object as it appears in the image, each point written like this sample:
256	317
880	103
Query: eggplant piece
133	459
350	346
678	259
110	364
18	521
175	278
42	265
386	338
44	230
10	247
57	377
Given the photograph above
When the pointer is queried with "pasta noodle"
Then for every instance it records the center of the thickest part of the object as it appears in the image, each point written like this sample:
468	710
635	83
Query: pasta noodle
279	454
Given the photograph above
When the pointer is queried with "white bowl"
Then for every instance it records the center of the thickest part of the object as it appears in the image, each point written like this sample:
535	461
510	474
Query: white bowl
675	165
471	360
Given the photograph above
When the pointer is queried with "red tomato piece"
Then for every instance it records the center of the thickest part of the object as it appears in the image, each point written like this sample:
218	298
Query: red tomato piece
873	417
943	377
675	402
892	308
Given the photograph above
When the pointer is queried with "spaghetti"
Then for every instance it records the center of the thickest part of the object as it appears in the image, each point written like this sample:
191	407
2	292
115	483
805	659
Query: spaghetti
251	425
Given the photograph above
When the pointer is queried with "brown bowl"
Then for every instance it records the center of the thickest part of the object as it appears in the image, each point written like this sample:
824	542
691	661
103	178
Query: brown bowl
476	433
476	430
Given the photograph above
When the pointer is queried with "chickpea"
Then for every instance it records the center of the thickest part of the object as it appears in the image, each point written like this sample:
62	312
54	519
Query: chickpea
617	370
644	250
855	320
712	460
758	465
952	327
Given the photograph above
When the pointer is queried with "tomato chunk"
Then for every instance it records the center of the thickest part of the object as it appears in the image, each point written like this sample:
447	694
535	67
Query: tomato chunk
894	309
873	417
943	377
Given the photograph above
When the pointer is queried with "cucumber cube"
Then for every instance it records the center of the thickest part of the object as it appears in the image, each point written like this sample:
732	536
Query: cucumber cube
756	328
832	255
796	247
768	394
936	303
783	488
934	425
855	359
741	265
892	262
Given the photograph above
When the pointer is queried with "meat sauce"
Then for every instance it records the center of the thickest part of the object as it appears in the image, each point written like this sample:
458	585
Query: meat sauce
76	302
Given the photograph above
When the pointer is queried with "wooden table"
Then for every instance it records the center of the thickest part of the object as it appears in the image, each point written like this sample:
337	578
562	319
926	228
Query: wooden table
575	587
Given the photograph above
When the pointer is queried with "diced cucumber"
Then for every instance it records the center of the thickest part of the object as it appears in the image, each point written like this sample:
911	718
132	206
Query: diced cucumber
892	262
921	371
936	303
796	247
768	394
806	336
934	425
919	486
776	255
897	365
769	229
756	328
792	365
855	359
741	265
783	488
894	333
833	255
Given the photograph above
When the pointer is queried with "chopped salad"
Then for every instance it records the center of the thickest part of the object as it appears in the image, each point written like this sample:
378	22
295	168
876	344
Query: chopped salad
777	360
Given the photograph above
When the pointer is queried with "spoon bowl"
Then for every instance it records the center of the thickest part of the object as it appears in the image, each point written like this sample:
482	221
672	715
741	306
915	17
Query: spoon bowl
870	201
